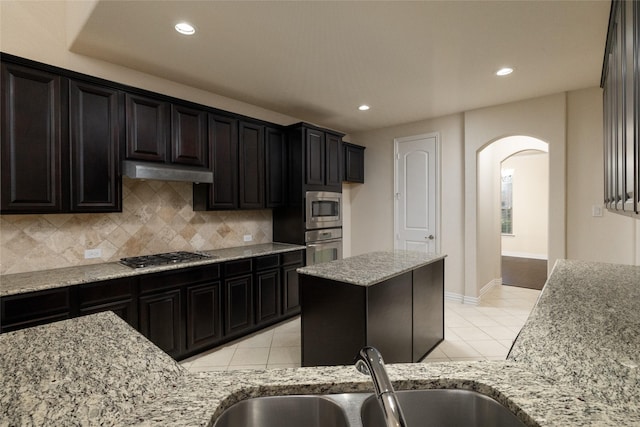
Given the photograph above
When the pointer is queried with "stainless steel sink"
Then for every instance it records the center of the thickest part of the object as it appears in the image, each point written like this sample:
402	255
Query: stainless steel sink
443	408
423	408
284	411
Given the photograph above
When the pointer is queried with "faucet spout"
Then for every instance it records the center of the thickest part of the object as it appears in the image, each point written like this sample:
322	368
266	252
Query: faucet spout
369	362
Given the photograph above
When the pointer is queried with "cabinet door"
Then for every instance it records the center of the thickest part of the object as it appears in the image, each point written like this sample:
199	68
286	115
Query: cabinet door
276	168
189	144
94	134
223	136
204	315
147	128
117	295
35	308
290	289
32	140
315	157
160	320
428	308
251	165
333	162
267	296
353	163
238	304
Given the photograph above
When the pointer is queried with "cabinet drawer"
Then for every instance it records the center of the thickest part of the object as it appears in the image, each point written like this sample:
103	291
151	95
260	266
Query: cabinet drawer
35	308
158	281
294	257
105	291
235	268
266	262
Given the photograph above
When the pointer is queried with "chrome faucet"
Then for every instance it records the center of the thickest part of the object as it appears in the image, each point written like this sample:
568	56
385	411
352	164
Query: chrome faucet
369	362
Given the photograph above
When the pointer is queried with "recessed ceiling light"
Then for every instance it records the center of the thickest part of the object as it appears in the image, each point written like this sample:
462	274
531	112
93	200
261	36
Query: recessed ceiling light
504	71
185	28
363	107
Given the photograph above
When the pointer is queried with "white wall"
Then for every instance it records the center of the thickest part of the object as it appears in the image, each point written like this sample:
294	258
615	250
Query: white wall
530	205
372	202
611	238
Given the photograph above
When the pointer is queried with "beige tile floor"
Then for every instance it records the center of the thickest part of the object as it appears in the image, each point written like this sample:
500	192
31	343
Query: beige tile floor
472	332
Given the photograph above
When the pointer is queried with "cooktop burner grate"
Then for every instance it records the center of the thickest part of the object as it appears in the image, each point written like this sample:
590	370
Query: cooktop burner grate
162	259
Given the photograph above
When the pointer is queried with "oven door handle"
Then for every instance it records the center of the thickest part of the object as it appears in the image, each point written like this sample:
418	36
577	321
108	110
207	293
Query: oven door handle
321	243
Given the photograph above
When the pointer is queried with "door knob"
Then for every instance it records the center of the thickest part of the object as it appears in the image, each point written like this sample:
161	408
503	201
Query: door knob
430	237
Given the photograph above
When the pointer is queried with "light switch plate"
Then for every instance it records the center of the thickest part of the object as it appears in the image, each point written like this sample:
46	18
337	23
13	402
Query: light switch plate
248	237
596	210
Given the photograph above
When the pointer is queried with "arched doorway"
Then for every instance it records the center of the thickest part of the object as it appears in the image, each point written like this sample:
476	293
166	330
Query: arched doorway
488	208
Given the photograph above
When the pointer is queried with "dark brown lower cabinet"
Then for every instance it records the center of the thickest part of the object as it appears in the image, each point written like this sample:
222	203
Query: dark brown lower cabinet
160	320
291	261
204	315
35	308
239	305
267	296
118	295
182	311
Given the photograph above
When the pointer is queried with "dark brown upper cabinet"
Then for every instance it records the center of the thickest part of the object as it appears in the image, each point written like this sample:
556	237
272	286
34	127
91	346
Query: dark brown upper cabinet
251	165
60	142
621	106
223	142
353	163
95	135
160	131
33	123
147	128
189	143
316	154
275	167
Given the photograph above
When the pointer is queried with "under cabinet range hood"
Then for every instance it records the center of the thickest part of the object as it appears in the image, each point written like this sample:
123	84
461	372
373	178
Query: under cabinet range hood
164	172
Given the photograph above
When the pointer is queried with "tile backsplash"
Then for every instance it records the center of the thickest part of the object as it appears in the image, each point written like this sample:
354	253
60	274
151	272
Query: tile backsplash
157	216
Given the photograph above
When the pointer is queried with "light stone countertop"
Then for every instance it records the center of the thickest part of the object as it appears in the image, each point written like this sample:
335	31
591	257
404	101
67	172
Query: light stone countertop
96	370
371	268
11	284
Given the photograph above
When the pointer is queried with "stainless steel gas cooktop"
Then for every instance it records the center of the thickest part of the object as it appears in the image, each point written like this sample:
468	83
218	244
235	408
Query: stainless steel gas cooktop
163	259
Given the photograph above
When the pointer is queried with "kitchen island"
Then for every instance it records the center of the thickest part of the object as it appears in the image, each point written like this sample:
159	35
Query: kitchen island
393	301
96	370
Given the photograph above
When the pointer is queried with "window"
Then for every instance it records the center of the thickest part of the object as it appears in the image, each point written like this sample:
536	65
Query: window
507	201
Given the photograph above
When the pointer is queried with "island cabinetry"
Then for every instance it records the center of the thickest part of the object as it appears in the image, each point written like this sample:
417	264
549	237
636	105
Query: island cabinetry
401	315
117	295
238	287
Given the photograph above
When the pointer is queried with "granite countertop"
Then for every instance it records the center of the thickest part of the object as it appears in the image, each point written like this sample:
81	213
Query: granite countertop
97	370
56	278
371	268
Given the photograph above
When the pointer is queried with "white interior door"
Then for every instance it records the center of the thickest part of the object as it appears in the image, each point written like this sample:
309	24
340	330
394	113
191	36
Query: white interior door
416	193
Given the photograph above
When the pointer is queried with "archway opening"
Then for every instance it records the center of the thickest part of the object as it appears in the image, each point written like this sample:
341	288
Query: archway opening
528	235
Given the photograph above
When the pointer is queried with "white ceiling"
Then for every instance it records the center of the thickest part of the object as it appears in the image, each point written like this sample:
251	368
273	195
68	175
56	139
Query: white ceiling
317	61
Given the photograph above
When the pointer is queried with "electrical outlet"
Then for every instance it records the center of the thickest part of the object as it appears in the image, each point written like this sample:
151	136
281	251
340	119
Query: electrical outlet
248	237
92	253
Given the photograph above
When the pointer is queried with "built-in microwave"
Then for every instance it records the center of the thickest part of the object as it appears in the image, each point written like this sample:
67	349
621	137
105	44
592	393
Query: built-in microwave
323	209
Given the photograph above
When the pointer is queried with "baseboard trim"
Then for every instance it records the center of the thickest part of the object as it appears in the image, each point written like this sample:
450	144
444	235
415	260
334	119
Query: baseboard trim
525	255
463	299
